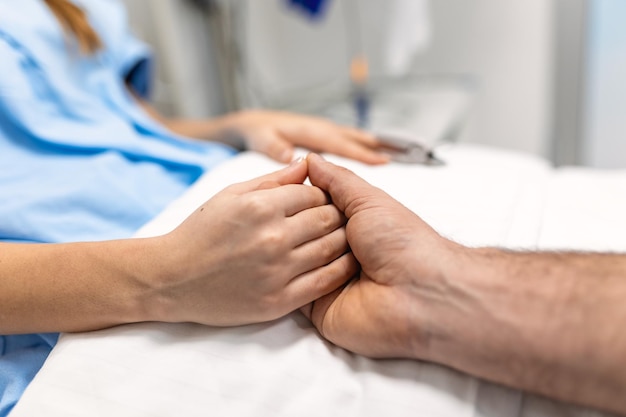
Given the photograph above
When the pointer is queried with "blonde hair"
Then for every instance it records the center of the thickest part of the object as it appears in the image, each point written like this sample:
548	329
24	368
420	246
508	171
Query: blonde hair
75	24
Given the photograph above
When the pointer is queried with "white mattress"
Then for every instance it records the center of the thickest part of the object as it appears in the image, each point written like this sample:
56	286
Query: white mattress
481	197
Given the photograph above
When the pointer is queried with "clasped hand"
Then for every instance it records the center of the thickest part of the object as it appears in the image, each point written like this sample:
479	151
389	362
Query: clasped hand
254	252
264	248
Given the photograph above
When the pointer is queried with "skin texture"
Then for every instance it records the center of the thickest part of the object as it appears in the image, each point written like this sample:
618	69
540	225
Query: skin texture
549	323
254	252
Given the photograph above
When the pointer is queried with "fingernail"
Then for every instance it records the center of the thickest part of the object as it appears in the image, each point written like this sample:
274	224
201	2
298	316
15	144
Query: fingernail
296	161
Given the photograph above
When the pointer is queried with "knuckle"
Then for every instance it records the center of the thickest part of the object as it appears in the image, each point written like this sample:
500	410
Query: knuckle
257	206
327	217
327	249
270	306
272	240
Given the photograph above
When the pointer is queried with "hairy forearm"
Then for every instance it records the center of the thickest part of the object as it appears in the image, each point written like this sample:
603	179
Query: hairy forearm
549	323
76	286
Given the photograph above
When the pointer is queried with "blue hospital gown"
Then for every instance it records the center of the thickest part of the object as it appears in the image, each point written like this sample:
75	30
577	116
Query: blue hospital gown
79	160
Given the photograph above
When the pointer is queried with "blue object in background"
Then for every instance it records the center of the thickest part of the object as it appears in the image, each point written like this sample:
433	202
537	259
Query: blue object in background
362	108
313	9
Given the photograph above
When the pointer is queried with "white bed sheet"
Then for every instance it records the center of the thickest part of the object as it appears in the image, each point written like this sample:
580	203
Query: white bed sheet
481	197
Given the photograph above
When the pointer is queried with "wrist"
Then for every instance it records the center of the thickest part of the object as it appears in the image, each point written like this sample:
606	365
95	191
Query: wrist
495	318
156	274
460	313
230	129
436	282
144	265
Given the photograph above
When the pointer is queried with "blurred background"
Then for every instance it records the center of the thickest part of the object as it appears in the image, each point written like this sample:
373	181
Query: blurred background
547	77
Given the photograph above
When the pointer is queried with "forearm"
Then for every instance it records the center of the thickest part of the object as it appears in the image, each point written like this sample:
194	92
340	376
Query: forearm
217	129
548	323
76	286
221	129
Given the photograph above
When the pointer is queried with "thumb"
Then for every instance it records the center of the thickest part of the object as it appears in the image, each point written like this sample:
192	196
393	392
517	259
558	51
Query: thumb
275	147
347	190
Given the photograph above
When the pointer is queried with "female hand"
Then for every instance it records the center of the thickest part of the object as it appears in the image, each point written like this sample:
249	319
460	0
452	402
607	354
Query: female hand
254	252
277	133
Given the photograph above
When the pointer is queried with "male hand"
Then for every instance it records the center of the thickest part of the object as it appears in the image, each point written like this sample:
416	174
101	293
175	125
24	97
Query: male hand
378	313
254	252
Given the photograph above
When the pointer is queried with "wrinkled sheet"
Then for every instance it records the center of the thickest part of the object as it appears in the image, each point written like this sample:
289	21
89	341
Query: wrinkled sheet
482	196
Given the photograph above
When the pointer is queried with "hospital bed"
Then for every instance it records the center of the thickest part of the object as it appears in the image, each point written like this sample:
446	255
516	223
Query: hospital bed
481	196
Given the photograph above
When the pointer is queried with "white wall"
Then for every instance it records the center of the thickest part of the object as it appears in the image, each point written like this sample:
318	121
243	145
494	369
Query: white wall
187	77
287	57
508	46
604	136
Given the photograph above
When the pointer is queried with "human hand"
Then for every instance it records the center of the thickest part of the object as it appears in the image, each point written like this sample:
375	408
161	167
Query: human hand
277	133
378	314
254	252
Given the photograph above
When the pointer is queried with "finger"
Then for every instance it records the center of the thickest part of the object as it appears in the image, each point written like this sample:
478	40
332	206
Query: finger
360	136
276	147
314	223
322	281
294	198
294	173
347	190
268	185
360	152
319	252
370	142
350	143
